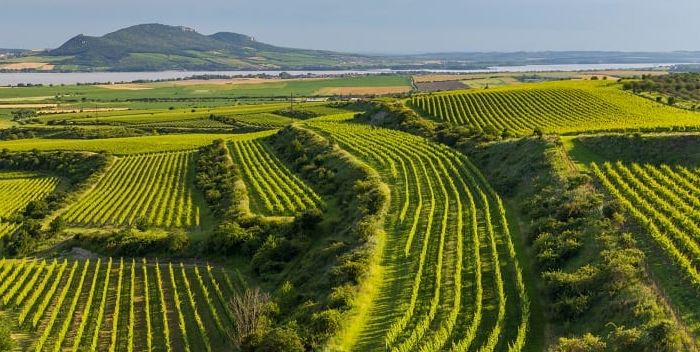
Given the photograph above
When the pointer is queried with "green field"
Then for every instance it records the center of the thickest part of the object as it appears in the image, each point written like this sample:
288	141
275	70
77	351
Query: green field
273	189
438	199
118	305
128	146
560	107
153	187
450	221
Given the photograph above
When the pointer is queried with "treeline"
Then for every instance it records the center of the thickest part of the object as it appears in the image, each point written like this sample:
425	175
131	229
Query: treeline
678	85
681	149
237	125
77	167
296	113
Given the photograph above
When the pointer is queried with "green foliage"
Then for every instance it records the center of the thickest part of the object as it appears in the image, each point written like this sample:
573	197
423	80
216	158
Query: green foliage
215	177
76	166
7	343
131	243
668	149
57	225
121	146
272	188
22	114
142	223
280	340
296	113
681	85
587	343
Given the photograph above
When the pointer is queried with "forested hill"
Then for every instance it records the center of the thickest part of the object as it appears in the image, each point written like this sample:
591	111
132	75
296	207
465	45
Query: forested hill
162	47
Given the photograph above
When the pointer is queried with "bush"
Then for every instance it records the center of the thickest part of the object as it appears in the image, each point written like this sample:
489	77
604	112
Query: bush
280	340
662	336
326	323
57	225
342	298
587	343
6	341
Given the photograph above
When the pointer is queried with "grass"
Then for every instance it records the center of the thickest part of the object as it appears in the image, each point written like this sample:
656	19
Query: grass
128	145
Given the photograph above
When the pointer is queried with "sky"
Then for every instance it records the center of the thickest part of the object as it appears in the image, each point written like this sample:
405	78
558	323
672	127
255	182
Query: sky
377	26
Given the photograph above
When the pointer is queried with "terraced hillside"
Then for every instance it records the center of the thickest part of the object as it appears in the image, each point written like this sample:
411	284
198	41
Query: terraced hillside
560	107
450	277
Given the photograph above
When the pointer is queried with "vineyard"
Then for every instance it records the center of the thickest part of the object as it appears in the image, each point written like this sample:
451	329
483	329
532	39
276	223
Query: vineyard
154	187
664	201
17	190
272	188
411	246
452	280
118	305
566	107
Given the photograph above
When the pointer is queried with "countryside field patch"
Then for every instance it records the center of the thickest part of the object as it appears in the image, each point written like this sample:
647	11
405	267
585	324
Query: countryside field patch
43	66
28	106
125	86
362	90
129	145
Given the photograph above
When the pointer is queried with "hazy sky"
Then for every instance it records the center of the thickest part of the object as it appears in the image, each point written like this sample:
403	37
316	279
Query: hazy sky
382	26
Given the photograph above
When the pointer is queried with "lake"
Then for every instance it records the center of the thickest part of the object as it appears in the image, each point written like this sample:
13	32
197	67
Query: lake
14	79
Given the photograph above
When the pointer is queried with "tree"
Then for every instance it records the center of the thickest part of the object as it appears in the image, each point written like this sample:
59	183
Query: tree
537	132
57	225
6	341
249	311
142	224
23	114
671	100
281	340
663	335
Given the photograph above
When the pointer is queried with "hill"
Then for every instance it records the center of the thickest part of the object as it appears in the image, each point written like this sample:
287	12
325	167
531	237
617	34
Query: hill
154	47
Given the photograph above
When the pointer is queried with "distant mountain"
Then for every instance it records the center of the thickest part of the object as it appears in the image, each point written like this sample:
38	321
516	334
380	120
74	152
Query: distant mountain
156	47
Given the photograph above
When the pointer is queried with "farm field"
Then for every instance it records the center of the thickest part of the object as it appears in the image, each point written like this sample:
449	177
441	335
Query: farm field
273	189
426	222
151	187
118	304
128	145
560	107
450	260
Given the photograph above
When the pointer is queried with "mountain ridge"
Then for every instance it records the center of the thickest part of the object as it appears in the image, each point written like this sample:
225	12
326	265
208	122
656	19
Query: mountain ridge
159	47
156	46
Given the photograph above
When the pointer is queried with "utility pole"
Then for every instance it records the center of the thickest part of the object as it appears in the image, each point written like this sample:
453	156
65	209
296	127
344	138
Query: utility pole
291	102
